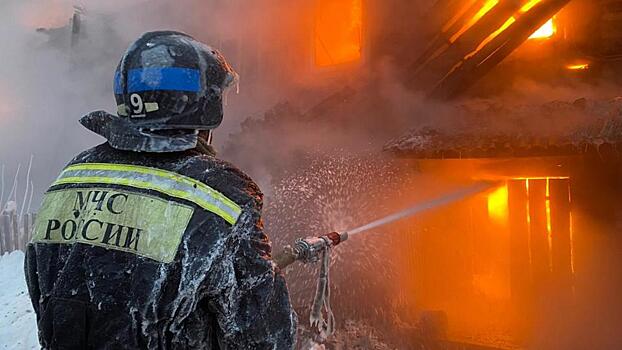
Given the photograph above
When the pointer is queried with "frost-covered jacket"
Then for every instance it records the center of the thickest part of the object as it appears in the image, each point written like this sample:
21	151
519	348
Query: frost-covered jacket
155	251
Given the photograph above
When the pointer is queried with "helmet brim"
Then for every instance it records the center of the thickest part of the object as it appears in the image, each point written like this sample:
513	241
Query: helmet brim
123	135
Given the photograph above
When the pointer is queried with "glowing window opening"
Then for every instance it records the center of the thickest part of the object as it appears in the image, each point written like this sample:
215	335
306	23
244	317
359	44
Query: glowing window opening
338	32
498	212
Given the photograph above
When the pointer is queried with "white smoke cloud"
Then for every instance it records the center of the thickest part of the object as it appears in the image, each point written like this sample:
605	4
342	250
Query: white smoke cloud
46	85
41	94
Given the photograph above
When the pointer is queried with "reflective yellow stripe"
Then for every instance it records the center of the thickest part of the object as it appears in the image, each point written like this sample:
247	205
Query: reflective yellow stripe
157	172
169	183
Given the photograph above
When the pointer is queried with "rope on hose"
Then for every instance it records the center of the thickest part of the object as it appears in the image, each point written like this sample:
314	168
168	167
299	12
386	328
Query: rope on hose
326	326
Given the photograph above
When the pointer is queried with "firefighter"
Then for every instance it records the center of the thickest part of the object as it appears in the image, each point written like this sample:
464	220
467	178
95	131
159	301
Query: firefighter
148	241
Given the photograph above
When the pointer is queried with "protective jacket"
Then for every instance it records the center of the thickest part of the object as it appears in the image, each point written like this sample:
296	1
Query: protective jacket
155	251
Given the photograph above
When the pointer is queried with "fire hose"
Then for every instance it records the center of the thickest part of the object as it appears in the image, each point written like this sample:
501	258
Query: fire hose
311	250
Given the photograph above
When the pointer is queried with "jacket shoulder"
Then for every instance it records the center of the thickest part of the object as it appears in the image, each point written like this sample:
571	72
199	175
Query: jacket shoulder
90	155
225	178
218	174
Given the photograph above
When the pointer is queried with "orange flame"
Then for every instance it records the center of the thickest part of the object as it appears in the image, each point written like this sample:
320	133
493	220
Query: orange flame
489	5
498	204
338	31
579	66
546	31
529	5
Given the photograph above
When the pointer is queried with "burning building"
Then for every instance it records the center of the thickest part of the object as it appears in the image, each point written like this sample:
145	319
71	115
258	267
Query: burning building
537	255
532	263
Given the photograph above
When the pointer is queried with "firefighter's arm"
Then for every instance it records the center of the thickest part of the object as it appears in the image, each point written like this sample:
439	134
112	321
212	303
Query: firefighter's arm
248	292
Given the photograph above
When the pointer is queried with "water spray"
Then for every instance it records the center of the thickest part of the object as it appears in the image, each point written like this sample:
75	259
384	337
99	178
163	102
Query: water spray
313	249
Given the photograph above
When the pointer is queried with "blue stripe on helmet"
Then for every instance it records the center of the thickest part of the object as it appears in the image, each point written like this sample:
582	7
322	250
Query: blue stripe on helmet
167	78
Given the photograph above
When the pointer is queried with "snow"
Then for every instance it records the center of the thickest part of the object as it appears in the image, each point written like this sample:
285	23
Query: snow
18	327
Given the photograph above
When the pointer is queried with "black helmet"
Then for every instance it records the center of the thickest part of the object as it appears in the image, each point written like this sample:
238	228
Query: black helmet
168	86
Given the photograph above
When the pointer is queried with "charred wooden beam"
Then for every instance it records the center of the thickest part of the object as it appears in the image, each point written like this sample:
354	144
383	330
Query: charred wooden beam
467	43
469	71
442	40
442	11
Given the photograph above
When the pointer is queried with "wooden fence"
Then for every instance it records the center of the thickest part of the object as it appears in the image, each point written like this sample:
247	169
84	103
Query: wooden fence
15	233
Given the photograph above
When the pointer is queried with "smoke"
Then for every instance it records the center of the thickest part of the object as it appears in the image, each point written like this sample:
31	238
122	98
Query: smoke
353	114
49	78
44	90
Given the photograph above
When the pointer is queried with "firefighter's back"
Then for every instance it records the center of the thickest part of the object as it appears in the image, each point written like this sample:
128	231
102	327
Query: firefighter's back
120	251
